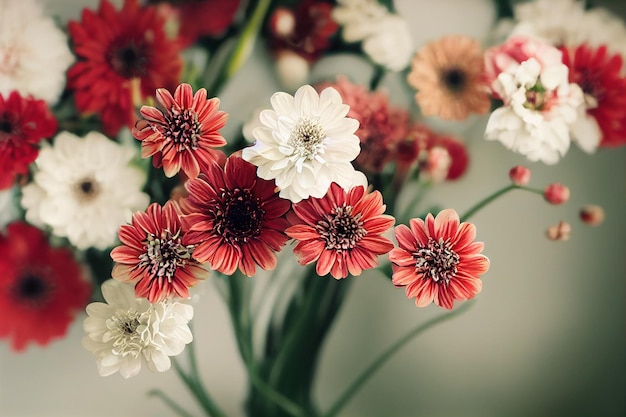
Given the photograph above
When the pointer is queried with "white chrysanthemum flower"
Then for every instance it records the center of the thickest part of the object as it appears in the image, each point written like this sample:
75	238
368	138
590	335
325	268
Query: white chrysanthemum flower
34	52
84	189
540	108
8	208
306	143
566	22
126	331
386	37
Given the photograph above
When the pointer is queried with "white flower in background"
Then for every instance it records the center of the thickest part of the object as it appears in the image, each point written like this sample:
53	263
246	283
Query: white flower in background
567	23
84	189
8	209
34	52
540	107
126	331
306	143
386	37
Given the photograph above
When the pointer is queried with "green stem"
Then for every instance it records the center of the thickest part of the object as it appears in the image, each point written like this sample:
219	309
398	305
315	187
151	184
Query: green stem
377	77
481	204
277	398
243	47
199	392
170	403
417	198
387	354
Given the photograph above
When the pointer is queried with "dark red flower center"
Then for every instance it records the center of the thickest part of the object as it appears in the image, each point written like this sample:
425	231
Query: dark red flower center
340	229
87	189
129	59
454	79
32	289
437	260
5	127
164	254
183	128
239	216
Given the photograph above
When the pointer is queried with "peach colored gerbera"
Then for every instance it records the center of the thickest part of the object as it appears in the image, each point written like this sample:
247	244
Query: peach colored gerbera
341	231
437	260
449	76
184	133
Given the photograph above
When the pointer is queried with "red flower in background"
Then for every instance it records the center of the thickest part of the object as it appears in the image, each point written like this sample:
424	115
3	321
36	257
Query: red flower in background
234	219
306	30
341	231
41	287
599	75
184	134
153	256
24	122
437	260
124	56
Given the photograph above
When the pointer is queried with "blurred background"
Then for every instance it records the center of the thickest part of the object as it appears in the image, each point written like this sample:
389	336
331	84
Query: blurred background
545	338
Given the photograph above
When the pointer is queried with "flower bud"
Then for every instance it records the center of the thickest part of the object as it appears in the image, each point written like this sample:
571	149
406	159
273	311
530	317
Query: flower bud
561	231
556	193
519	175
592	215
282	23
292	69
435	164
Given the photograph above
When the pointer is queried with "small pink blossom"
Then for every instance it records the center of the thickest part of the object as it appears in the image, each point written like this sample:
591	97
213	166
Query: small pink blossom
560	231
592	214
556	193
519	175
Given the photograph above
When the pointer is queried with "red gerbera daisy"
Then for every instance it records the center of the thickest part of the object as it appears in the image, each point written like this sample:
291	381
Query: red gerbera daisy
154	257
124	56
183	135
23	123
437	260
342	231
598	74
235	219
41	287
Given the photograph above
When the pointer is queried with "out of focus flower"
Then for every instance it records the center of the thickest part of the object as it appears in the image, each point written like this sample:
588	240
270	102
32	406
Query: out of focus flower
385	36
197	18
437	260
124	56
449	77
292	69
560	231
381	126
24	122
84	189
519	175
556	193
342	231
41	287
153	257
540	108
592	215
598	74
306	143
434	164
567	23
233	218
34	54
183	134
126	331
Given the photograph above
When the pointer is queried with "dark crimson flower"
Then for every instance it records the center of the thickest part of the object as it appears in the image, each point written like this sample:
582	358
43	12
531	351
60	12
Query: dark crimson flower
184	133
154	257
437	260
599	75
341	231
41	287
124	56
233	218
24	122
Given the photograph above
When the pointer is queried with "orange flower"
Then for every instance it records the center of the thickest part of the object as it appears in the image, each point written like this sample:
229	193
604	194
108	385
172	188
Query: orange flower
449	76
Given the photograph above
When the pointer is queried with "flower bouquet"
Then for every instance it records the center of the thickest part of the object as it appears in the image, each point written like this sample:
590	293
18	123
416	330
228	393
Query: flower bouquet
131	187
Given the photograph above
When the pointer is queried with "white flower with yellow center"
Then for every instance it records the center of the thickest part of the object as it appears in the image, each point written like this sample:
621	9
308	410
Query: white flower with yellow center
34	52
126	332
85	189
305	143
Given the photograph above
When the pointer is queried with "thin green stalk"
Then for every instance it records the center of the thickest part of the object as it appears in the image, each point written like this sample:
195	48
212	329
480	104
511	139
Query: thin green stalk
417	197
377	77
170	403
279	399
386	355
481	204
199	392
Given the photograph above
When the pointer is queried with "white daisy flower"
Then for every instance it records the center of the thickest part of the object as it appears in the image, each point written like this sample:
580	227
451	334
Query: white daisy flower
306	143
126	331
84	189
540	108
34	52
358	18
